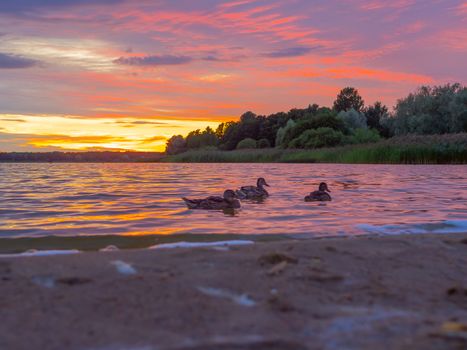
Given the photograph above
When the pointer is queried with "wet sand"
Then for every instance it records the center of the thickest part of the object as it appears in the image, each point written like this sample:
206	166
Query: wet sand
400	292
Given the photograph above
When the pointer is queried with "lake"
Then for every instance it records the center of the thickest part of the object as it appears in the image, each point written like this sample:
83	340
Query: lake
144	199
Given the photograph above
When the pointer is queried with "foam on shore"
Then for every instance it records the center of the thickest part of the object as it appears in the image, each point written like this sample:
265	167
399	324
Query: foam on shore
34	252
450	226
201	244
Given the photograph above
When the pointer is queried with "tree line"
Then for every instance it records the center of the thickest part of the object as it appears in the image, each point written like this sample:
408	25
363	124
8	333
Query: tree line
428	110
76	157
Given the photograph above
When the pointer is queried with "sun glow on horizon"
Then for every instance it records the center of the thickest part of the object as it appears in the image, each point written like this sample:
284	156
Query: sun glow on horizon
81	134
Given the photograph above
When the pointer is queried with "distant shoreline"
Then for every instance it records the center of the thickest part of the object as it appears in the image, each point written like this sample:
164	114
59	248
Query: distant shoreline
410	149
80	157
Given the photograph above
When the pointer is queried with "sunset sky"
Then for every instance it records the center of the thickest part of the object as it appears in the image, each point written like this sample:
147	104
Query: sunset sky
126	74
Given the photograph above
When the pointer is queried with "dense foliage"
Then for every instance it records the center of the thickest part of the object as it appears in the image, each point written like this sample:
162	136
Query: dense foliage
429	110
410	149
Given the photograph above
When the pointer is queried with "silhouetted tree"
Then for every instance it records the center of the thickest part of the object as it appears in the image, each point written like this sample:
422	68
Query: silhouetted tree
176	144
348	98
220	130
198	139
268	126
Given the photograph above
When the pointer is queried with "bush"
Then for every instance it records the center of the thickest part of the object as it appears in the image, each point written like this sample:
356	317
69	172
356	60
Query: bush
263	143
317	138
320	121
353	119
364	136
247	143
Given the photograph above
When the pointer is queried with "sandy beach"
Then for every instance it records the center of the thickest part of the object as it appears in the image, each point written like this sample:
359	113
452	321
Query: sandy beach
399	292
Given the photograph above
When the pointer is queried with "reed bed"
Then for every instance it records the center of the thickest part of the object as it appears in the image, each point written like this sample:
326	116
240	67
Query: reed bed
411	149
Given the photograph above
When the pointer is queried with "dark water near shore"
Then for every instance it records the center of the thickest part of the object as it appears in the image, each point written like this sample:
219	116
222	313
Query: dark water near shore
144	199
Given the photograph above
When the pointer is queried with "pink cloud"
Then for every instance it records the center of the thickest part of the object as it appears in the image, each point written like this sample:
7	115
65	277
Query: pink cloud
200	60
378	4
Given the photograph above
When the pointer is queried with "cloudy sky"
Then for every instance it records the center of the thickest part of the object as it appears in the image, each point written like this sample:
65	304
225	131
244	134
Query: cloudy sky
125	74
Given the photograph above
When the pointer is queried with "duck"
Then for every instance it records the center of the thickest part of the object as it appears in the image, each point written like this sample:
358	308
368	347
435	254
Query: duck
228	201
254	192
321	195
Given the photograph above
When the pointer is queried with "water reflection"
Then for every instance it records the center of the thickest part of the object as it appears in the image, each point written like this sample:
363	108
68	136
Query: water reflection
144	199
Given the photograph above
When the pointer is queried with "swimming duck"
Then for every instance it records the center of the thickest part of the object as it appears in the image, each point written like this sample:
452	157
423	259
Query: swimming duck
319	196
228	201
254	192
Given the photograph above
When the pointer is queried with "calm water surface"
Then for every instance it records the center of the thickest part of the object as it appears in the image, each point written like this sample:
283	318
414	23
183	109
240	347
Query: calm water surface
138	199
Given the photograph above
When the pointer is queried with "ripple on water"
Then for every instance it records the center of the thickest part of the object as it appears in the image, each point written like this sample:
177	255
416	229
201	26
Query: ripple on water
139	199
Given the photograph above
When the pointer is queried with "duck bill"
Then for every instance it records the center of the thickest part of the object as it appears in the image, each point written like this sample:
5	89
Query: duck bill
265	184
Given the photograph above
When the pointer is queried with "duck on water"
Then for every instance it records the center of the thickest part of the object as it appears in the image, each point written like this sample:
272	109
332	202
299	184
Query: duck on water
228	201
321	195
254	192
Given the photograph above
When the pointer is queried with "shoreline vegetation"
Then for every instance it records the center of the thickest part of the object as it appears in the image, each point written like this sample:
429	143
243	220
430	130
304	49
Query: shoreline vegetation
409	149
428	126
355	293
413	149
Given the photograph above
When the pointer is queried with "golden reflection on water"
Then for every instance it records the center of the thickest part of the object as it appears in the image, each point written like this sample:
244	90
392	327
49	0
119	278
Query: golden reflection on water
144	199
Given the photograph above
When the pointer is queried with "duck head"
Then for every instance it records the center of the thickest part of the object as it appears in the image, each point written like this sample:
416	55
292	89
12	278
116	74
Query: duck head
323	187
261	182
230	195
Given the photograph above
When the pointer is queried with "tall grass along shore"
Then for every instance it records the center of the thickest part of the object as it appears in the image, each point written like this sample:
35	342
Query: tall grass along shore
410	149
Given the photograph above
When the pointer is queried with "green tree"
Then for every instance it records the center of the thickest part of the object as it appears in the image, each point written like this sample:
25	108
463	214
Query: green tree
353	119
268	126
348	98
375	114
432	110
282	131
247	127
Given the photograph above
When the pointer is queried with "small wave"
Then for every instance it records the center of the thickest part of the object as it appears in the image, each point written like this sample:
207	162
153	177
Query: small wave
94	196
450	226
200	244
